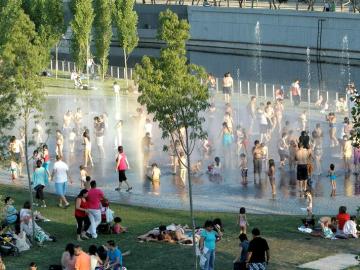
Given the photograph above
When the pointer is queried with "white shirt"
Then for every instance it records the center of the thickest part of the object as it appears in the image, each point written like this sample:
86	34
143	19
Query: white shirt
350	228
60	172
116	88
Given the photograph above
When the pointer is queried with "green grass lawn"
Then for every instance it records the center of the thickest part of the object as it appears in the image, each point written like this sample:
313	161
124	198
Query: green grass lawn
288	247
64	86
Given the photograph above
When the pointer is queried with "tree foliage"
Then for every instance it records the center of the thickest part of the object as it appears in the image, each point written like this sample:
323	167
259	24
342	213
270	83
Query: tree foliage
170	88
126	19
173	92
48	17
81	31
22	60
102	33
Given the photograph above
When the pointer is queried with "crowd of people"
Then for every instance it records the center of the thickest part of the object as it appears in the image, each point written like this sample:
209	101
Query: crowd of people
297	148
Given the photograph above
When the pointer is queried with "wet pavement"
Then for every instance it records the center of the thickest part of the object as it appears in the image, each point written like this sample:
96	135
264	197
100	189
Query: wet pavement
225	193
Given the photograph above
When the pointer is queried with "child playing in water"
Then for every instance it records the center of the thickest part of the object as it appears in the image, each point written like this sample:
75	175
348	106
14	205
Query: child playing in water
196	168
309	202
215	168
83	175
271	174
302	121
244	168
72	136
242	221
332	177
154	176
117	228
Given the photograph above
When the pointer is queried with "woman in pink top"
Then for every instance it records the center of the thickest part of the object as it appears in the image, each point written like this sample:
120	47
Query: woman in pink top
122	165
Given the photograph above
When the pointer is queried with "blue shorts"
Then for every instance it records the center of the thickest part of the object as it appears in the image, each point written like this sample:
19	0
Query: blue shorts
46	165
60	188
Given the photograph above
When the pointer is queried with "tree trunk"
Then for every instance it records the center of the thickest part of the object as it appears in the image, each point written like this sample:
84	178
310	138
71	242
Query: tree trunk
126	71
56	61
190	195
26	120
103	69
87	59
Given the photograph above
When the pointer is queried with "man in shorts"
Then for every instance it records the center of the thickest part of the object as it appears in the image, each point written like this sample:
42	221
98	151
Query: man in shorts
302	157
60	175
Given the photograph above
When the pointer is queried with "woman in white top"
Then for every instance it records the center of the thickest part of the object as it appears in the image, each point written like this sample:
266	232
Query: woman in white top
227	86
95	261
87	150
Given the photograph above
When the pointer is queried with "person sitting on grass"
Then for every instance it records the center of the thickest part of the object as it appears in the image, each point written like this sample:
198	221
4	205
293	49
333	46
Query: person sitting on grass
326	231
26	210
11	214
114	259
341	218
117	228
68	258
350	228
94	258
32	266
40	235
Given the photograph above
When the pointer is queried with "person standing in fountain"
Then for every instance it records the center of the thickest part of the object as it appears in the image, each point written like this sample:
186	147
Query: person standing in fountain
302	158
331	118
122	165
118	139
251	110
59	143
78	120
227	86
296	92
87	149
16	149
99	127
257	159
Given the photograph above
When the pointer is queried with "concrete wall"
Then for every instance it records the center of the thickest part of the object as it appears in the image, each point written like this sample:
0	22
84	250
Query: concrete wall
290	31
283	32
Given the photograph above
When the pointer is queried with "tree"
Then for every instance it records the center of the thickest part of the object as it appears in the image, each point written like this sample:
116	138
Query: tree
126	21
172	91
22	57
48	17
102	33
81	32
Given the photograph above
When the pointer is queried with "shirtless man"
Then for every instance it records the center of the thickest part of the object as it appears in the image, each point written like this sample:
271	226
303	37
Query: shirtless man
257	159
302	157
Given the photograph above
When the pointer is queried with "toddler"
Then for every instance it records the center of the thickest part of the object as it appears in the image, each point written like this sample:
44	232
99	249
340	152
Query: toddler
83	175
244	168
332	176
271	174
309	202
242	221
117	228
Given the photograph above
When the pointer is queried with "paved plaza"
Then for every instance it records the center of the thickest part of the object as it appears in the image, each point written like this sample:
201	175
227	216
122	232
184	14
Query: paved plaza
223	194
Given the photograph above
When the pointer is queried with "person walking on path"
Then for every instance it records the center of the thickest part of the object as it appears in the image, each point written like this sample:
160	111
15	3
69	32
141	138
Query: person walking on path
258	252
122	165
94	198
39	181
60	175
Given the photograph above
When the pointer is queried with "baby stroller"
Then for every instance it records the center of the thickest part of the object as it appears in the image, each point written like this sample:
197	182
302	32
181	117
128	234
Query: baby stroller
8	245
107	217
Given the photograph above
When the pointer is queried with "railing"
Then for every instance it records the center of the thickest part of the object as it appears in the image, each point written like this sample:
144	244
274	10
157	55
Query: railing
340	6
68	66
242	87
